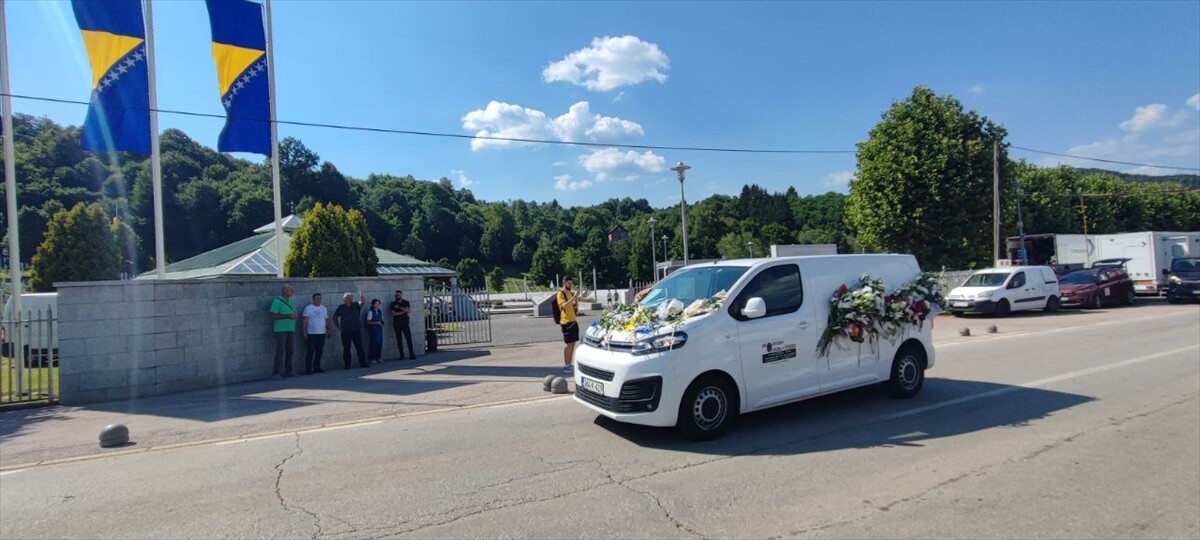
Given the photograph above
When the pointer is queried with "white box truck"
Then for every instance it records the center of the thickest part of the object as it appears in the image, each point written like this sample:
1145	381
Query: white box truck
1149	253
1061	251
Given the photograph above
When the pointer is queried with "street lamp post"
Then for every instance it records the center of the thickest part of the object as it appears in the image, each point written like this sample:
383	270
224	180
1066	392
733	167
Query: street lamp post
653	253
680	168
664	239
750	246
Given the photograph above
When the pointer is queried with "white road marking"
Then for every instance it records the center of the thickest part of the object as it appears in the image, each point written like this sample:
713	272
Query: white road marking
6	473
1038	383
1041	332
343	426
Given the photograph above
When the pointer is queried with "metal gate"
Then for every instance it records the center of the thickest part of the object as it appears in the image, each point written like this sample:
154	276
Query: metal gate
457	316
29	358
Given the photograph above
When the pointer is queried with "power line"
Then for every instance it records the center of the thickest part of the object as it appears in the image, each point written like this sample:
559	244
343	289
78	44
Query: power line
1105	160
472	137
368	129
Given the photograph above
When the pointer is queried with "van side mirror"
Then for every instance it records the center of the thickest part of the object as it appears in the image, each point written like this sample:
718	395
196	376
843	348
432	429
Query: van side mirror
1166	271
755	308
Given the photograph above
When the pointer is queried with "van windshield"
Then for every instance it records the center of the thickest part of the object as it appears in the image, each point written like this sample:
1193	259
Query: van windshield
1185	265
986	279
692	283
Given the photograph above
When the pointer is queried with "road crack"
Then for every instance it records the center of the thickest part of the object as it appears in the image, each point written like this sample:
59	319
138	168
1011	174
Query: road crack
293	508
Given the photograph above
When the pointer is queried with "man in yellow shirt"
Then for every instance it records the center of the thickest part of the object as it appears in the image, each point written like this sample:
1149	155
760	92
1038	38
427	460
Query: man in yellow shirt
567	300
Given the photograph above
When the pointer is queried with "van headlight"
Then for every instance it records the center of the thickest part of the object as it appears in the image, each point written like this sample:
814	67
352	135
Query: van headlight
984	294
659	344
1174	279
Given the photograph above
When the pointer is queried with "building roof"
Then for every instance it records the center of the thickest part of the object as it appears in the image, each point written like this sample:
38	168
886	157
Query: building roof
255	256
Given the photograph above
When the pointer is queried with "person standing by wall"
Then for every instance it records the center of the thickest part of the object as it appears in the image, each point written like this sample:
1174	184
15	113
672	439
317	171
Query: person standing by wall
375	332
284	315
348	319
313	328
567	300
399	310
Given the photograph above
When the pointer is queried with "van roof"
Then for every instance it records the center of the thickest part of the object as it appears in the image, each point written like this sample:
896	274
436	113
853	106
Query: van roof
1011	269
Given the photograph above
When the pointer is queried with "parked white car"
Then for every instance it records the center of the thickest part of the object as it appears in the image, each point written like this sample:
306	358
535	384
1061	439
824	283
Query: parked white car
1000	291
758	351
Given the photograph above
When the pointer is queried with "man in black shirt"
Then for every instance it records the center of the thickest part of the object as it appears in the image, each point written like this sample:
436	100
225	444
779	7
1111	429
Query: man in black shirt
400	309
348	319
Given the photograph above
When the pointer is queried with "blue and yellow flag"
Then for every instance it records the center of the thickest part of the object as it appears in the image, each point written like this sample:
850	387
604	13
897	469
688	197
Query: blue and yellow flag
114	35
240	51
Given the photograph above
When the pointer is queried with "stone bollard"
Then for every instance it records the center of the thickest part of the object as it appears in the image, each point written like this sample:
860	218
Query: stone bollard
559	386
549	380
964	331
992	329
114	435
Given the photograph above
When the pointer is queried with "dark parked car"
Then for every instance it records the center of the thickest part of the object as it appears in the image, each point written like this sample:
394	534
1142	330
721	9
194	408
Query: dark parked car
1096	287
1184	281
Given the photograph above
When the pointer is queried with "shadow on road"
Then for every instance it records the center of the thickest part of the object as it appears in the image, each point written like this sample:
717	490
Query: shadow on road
860	419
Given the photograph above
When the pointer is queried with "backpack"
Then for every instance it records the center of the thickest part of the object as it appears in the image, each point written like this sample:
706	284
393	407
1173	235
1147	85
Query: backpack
556	310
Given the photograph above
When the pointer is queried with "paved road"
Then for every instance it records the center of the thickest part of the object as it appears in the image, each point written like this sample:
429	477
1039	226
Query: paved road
1082	431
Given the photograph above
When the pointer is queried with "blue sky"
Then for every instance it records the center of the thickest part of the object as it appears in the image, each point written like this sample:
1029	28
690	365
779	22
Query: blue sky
1112	80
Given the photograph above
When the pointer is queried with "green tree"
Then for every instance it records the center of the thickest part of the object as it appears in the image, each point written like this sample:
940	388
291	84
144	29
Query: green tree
924	182
547	264
470	273
331	242
733	246
79	246
496	279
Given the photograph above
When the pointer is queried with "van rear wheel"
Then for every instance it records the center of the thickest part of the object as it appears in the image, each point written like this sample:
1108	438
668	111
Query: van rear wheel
1002	309
1052	304
908	373
707	409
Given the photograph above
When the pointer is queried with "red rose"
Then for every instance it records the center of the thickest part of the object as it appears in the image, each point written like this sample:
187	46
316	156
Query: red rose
843	290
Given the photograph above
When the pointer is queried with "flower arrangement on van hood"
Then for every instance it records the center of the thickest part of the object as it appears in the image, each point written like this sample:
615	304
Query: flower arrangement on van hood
644	320
865	312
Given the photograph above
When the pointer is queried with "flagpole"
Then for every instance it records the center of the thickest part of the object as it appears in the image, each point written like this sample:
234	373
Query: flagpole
160	252
10	174
274	145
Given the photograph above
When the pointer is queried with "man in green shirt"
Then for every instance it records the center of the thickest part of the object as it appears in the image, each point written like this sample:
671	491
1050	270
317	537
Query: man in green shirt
284	315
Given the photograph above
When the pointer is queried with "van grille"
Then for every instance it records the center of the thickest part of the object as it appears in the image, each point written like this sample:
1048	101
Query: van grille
641	395
595	372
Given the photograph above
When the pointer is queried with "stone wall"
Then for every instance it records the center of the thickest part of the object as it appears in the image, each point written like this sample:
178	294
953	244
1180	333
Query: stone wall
128	339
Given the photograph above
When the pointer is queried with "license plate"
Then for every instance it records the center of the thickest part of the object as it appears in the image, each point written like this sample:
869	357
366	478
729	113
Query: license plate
588	384
958	304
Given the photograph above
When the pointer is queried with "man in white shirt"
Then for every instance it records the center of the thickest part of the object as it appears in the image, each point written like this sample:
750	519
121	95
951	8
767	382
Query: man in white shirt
313	327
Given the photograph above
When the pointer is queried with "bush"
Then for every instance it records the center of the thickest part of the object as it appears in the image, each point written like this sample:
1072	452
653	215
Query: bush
331	242
79	246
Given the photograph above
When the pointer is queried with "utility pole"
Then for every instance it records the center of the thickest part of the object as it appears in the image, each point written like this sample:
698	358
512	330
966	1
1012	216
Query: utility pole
1087	253
996	250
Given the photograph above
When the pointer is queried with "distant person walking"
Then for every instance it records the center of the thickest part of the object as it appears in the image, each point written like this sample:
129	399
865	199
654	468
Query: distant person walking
567	300
313	328
283	317
399	310
375	332
348	318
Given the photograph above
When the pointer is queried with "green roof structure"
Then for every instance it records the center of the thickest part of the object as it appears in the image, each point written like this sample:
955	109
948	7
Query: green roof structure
255	256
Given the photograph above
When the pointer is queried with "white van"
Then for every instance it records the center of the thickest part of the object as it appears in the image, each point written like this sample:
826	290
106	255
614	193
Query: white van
1000	291
757	351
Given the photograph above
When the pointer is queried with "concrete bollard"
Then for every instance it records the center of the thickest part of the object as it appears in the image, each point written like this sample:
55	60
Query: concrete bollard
992	329
114	435
559	386
964	331
549	380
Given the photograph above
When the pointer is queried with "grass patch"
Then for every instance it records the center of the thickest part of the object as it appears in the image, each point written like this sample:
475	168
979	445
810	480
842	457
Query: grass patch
37	383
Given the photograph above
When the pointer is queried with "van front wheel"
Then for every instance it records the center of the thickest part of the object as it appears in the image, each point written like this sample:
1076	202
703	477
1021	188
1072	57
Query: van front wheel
908	373
706	409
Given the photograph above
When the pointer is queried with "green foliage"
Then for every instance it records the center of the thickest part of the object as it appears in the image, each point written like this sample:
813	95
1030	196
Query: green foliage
331	242
79	246
547	263
495	279
923	182
470	273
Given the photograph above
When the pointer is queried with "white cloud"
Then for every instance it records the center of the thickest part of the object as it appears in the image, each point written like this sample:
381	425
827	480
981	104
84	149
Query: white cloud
978	90
611	62
464	181
838	180
506	120
1194	102
1152	116
563	182
608	163
559	164
619	97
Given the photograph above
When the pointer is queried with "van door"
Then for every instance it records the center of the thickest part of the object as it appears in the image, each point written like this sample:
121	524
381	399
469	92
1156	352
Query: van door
1023	292
776	362
1049	284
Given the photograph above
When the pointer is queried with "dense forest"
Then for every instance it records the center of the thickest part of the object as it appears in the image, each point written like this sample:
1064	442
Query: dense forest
212	199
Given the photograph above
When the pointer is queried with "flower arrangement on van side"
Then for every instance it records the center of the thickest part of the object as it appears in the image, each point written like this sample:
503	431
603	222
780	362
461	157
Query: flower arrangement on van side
643	320
865	312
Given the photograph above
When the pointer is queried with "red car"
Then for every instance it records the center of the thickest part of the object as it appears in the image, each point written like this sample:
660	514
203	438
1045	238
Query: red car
1096	287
